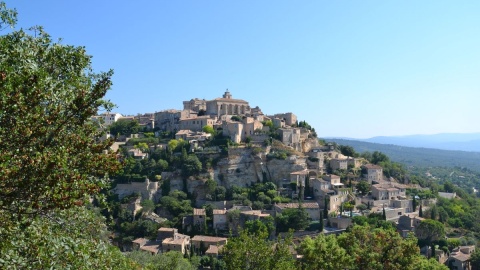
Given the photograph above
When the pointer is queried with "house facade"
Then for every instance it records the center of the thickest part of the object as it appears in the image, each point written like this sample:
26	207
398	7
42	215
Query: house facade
374	173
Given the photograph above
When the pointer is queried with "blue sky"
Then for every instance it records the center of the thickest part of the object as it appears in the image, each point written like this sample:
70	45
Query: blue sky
349	68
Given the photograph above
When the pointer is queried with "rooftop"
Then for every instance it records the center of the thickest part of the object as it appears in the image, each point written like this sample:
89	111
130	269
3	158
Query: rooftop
199	212
296	205
219	211
373	166
205	238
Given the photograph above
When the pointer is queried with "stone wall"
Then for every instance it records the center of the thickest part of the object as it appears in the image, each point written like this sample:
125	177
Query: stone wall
148	190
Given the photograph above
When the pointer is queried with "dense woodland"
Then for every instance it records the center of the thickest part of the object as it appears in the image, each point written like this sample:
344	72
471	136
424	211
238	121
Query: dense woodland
57	210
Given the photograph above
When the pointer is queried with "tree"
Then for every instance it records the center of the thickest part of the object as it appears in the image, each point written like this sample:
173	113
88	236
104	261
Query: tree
475	259
147	206
124	127
249	251
430	230
74	238
363	187
420	211
321	227
347	150
382	249
172	260
292	218
378	157
324	252
325	207
209	129
414	203
50	153
191	166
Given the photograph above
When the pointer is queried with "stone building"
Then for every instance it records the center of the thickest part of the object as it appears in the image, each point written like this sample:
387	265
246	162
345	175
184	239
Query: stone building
169	120
196	123
289	118
108	118
374	173
290	136
239	131
202	240
312	208
220	221
195	105
339	163
227	105
388	191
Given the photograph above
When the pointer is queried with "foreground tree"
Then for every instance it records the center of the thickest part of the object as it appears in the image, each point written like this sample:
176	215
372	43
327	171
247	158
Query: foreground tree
50	153
383	248
323	252
429	231
64	239
51	156
252	251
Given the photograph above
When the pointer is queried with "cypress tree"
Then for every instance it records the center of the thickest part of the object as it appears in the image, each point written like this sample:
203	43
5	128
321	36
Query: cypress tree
384	215
420	211
325	208
321	222
414	204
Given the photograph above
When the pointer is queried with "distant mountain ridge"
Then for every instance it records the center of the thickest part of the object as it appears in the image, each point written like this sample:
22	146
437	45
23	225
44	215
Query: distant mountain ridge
415	156
444	141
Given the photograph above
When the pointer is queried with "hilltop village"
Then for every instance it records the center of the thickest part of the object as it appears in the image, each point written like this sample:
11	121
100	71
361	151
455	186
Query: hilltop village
235	165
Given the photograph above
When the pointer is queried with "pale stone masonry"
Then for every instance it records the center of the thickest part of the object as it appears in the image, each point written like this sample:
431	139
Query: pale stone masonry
312	208
374	173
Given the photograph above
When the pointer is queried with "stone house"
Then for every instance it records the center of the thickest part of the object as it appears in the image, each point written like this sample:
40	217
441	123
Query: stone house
312	208
289	118
146	120
252	215
278	123
354	162
388	191
299	177
336	200
170	240
143	244
195	105
333	179
374	173
290	137
176	244
340	222
188	135
339	163
199	217
203	241
408	223
169	120
460	258
220	221
213	250
137	154
197	123
239	131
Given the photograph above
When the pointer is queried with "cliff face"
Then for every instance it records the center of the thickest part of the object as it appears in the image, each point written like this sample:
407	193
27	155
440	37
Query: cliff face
242	167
